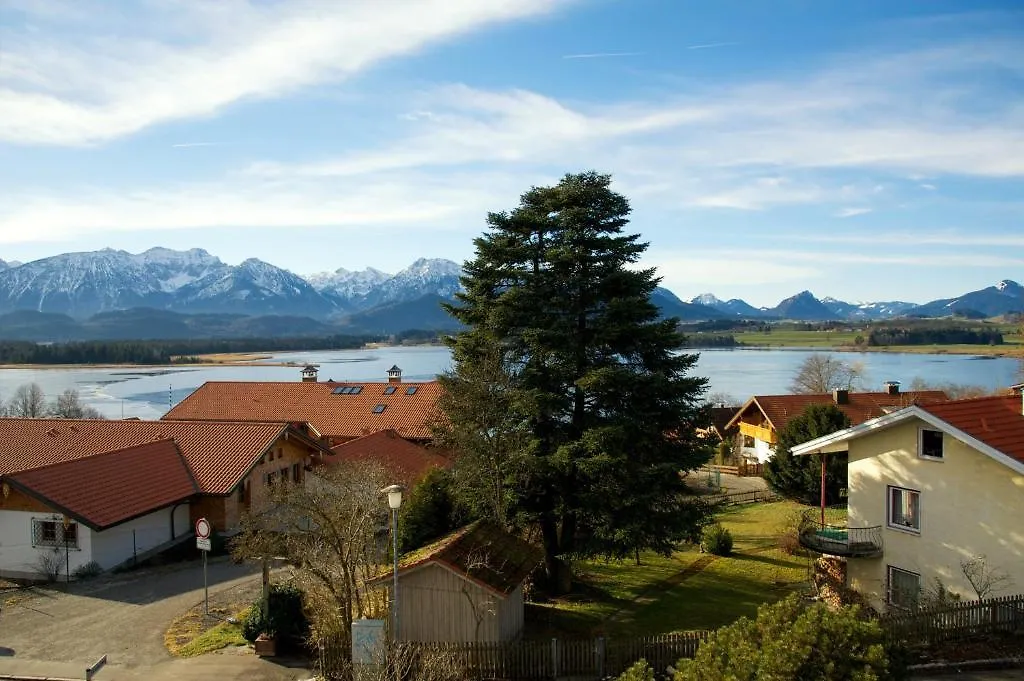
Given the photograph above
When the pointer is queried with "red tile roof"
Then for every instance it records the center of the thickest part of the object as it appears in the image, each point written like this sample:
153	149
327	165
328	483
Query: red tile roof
338	417
218	453
482	552
405	460
112	487
996	421
779	409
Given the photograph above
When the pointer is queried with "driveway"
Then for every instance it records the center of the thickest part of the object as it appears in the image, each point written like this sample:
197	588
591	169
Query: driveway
125	617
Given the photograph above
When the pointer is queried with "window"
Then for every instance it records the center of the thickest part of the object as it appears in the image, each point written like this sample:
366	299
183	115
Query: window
905	509
411	390
296	472
748	441
389	390
271	454
929	444
904	588
379	409
270	478
338	391
284	474
356	390
53	533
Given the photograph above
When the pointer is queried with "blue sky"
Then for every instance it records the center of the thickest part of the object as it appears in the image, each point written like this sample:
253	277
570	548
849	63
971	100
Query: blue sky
864	150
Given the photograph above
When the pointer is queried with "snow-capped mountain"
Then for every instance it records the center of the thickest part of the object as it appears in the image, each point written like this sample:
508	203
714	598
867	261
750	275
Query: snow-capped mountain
733	307
192	281
253	285
1005	297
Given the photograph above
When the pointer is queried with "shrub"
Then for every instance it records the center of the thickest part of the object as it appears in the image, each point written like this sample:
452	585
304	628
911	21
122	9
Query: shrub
640	671
90	569
286	618
790	641
717	540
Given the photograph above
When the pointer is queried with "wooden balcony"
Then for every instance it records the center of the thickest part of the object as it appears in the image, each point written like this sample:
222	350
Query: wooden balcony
761	433
841	540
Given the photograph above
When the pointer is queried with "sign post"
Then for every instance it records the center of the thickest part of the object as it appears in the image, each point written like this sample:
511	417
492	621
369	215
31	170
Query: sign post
203	530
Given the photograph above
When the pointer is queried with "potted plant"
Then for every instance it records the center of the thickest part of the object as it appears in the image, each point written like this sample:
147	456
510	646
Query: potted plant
266	645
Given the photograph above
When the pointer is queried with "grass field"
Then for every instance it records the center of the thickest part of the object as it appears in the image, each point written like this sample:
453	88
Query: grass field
667	594
1013	345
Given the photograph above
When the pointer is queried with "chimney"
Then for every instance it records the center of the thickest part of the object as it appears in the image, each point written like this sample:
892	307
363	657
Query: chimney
394	374
840	396
892	387
309	373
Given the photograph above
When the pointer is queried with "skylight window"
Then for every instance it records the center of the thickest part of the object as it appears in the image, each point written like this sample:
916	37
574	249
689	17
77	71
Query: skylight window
347	390
356	389
411	390
388	390
379	409
338	391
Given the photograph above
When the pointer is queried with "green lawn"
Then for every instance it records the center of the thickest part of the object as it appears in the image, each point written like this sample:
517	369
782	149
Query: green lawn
606	597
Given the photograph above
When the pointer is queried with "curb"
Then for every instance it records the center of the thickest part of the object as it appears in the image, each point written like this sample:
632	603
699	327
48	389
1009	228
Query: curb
22	677
969	665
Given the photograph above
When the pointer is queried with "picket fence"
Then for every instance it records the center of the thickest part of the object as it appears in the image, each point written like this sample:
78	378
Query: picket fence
534	660
956	621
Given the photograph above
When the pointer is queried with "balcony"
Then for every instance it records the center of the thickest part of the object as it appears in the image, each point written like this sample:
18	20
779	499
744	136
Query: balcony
840	540
758	432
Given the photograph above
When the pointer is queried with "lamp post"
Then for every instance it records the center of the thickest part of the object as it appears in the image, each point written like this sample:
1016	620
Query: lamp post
394	493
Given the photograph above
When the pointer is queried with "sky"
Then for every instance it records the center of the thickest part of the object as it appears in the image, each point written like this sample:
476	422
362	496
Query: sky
869	150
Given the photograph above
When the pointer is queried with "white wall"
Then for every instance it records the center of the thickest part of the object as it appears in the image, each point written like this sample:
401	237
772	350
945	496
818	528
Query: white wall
20	560
763	450
115	545
182	521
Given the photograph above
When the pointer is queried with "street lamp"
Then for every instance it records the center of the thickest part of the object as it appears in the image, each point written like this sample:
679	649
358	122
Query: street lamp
394	493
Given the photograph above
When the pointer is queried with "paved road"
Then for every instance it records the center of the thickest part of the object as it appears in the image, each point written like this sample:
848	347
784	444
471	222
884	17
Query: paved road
124	617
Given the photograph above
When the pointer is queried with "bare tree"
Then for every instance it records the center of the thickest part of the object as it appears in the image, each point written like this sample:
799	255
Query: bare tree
822	373
491	448
955	391
721	399
328	530
68	405
985	580
28	402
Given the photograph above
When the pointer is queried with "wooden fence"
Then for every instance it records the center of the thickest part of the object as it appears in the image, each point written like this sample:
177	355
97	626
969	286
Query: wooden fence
956	620
759	496
583	659
744	469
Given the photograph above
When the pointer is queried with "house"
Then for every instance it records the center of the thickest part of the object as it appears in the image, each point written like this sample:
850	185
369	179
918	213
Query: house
930	485
465	587
406	461
336	411
106	491
720	428
762	417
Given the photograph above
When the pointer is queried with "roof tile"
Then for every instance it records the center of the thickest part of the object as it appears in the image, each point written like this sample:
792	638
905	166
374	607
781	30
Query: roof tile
218	453
112	487
996	421
779	409
406	460
335	416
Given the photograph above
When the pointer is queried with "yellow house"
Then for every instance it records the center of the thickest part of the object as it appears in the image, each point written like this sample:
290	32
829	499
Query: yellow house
930	487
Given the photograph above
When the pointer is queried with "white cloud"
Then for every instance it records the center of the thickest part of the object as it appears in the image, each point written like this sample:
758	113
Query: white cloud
708	46
852	212
929	187
182	60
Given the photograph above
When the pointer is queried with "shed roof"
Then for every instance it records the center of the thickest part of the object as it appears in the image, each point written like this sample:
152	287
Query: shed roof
405	460
482	552
112	487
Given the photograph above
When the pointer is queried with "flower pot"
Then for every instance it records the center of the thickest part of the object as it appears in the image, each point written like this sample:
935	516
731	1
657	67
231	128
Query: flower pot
266	646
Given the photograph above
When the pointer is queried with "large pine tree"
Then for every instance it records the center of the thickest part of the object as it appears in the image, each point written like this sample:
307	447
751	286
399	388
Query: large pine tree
590	373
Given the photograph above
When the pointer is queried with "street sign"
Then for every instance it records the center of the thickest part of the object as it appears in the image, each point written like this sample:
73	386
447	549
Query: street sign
203	543
203	528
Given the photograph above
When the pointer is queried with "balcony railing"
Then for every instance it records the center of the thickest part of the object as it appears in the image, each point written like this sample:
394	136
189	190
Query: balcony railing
841	540
758	432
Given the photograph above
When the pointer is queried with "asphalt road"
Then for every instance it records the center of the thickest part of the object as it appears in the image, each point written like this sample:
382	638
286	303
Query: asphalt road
125	617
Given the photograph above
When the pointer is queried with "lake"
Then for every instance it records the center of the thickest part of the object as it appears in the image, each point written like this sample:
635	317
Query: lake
147	392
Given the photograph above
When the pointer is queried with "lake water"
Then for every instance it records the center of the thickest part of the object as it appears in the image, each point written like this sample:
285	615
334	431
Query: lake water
147	392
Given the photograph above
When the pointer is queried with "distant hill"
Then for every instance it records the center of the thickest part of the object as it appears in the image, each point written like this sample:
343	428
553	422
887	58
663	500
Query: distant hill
1006	297
671	306
803	306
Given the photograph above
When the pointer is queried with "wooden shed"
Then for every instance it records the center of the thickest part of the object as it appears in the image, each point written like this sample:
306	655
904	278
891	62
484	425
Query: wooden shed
465	587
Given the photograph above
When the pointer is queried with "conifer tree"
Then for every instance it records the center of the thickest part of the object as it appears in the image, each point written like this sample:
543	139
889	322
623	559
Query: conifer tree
799	477
591	375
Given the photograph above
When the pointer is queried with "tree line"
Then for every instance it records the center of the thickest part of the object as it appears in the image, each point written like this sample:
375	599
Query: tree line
947	335
29	401
162	352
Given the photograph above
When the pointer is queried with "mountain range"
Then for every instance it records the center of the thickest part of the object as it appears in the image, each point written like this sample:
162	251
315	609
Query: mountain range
75	287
